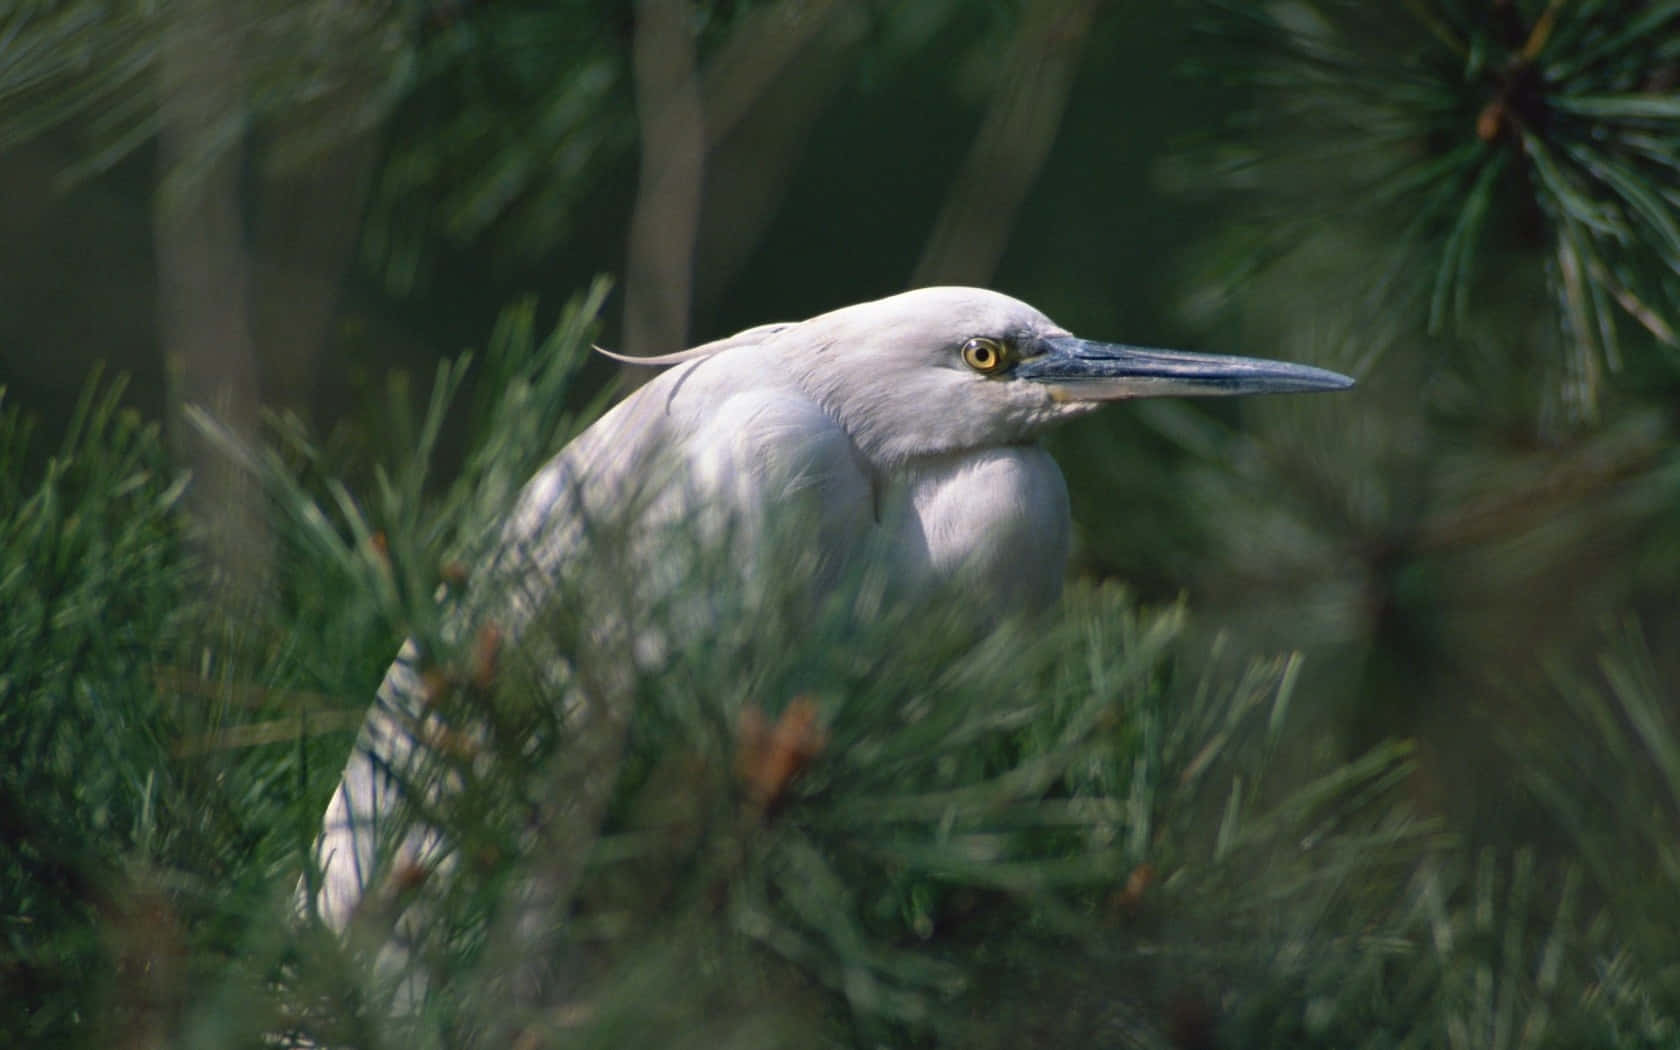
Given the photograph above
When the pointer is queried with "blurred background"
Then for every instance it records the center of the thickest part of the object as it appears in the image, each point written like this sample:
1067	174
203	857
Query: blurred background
1472	205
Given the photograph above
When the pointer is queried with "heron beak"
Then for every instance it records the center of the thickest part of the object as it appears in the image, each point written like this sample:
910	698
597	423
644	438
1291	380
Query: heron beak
1079	370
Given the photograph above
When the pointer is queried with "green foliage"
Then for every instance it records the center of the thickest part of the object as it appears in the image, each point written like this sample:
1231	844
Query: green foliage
95	589
1612	746
1091	828
516	109
963	794
969	809
1489	144
520	116
307	74
1113	827
970	804
162	770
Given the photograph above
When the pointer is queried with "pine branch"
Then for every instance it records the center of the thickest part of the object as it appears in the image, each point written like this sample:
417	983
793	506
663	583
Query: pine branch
1479	139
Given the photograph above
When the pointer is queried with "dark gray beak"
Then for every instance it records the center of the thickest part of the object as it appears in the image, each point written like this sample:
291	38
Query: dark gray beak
1078	370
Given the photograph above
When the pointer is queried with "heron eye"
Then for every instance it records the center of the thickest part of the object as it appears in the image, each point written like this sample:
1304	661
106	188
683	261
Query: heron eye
984	355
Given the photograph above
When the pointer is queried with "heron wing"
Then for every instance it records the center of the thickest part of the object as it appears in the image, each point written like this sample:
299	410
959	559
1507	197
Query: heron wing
715	462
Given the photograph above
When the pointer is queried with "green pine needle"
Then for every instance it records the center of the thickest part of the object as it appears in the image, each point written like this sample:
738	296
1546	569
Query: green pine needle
1463	132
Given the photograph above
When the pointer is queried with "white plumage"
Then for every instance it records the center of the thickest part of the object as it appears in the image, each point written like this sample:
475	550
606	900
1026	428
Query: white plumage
898	434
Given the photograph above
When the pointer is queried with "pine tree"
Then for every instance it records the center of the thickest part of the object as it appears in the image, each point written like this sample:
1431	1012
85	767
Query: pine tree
1401	770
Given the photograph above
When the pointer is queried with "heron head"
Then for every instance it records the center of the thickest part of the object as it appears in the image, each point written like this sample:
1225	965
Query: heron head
941	370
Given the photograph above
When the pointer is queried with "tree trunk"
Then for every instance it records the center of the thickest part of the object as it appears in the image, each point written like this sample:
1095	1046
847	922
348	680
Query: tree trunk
203	306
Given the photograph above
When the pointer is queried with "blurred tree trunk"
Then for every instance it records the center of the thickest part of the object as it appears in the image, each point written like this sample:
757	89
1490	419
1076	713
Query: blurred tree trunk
763	91
319	159
305	240
734	130
203	294
1020	126
659	272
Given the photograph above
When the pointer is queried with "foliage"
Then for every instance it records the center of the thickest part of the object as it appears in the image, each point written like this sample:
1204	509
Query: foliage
1118	826
1612	731
307	74
95	590
1091	828
1072	787
1490	143
960	794
515	112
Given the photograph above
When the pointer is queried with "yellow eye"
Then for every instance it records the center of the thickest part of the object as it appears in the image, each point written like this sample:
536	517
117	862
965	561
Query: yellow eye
984	355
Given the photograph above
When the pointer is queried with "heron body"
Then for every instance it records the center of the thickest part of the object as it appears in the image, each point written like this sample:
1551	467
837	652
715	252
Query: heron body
902	432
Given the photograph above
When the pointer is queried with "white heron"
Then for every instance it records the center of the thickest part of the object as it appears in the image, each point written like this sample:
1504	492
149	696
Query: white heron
905	428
